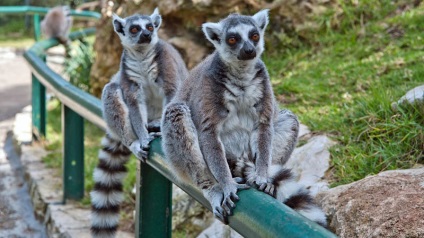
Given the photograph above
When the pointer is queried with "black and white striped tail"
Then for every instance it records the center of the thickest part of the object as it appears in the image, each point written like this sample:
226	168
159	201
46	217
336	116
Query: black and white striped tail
107	193
288	191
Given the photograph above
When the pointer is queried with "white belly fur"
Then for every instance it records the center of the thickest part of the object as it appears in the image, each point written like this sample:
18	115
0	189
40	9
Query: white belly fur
238	132
144	71
155	100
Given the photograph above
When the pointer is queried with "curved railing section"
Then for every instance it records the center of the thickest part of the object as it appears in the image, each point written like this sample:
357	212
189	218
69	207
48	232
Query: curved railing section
44	10
256	214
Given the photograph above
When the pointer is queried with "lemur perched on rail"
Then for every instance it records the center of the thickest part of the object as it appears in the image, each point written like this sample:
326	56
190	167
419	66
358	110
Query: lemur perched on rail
57	23
149	74
224	127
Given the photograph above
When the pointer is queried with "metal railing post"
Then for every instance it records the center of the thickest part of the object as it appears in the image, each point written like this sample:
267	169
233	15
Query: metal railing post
38	108
73	154
38	94
37	31
154	204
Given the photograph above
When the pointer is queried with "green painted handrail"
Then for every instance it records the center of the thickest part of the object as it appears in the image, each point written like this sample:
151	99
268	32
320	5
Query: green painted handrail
256	214
82	102
44	10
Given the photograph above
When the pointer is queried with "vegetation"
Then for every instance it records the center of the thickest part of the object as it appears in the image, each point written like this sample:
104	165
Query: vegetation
344	82
77	65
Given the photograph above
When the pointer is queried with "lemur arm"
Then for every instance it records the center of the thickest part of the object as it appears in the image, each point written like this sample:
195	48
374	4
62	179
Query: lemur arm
133	96
138	114
214	155
265	130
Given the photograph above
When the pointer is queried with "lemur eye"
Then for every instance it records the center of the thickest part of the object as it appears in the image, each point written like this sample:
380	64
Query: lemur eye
232	40
255	37
134	30
150	28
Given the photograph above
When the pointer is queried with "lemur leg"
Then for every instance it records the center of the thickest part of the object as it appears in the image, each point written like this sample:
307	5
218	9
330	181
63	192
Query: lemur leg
286	128
287	189
179	138
117	118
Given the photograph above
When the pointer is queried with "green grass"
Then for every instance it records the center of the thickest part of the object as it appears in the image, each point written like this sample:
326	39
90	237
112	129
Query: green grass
345	81
13	33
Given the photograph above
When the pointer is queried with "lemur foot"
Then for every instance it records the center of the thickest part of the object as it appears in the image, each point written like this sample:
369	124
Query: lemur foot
263	184
145	145
214	196
137	151
239	180
230	196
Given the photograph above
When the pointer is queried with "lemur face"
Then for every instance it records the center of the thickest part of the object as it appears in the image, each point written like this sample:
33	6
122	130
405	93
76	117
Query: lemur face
237	37
137	30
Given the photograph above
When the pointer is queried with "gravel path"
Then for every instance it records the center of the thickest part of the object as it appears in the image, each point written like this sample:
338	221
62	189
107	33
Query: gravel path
16	212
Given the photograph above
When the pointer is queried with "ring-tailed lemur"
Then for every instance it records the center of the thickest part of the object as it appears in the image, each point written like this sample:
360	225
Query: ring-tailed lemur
57	23
149	74
224	127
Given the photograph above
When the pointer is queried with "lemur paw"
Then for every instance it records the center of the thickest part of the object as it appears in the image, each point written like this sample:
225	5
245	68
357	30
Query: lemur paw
263	184
239	180
137	150
223	200
214	196
145	145
230	196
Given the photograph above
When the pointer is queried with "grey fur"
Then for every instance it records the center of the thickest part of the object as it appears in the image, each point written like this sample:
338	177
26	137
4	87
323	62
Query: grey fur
224	113
57	23
149	75
150	72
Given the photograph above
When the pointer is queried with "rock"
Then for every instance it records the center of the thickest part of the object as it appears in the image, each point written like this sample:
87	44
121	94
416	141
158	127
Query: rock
303	131
390	204
188	214
218	229
414	95
311	161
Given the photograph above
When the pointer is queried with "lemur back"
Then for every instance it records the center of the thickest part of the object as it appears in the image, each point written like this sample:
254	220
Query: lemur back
150	72
223	131
57	23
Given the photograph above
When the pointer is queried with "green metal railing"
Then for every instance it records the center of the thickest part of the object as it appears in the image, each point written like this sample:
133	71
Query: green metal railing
256	214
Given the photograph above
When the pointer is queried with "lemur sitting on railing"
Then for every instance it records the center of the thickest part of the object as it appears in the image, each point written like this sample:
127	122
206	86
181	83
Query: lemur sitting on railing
223	130
149	74
57	23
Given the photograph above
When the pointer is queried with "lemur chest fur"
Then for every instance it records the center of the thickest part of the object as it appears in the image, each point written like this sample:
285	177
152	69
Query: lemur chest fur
239	127
145	74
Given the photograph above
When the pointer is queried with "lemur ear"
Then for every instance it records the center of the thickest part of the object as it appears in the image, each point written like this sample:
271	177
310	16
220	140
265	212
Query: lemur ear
118	24
261	18
156	18
212	32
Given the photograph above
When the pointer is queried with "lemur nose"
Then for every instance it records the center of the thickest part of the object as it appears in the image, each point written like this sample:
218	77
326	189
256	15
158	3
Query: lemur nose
146	33
249	51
